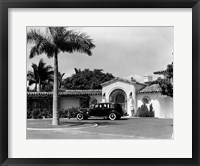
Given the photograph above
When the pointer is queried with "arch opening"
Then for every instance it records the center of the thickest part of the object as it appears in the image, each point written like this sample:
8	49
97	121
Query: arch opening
120	97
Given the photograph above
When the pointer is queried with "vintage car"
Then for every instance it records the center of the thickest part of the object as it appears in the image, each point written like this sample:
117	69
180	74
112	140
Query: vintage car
112	111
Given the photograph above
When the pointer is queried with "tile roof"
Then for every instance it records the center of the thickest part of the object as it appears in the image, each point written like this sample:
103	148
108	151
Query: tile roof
122	80
155	88
160	72
67	93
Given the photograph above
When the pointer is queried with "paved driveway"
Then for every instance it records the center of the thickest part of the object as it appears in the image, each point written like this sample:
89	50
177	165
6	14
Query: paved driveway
132	128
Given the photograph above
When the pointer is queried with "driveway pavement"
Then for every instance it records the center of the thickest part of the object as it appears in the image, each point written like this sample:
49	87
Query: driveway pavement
126	128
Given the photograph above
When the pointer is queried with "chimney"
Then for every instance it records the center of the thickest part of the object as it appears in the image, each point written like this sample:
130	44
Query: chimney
132	79
148	78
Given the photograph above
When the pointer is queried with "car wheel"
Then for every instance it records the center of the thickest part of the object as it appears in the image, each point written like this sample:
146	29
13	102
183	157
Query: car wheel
79	116
112	116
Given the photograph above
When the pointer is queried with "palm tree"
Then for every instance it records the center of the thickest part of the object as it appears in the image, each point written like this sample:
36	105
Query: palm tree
32	78
60	79
42	74
77	70
56	40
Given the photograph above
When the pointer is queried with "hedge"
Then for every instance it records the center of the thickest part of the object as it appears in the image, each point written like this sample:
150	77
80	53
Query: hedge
143	111
38	108
39	113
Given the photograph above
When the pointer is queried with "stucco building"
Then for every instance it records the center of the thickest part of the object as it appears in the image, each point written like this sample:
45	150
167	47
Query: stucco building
128	93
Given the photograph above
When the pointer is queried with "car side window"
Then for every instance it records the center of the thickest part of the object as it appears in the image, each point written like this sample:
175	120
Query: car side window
96	106
105	106
100	106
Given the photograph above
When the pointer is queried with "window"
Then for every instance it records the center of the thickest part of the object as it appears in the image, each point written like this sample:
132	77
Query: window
146	100
105	105
93	101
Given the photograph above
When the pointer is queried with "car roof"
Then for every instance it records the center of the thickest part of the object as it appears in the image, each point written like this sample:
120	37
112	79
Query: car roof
107	103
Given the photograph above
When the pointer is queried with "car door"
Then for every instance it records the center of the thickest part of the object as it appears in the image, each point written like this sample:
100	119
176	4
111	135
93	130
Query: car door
104	111
95	110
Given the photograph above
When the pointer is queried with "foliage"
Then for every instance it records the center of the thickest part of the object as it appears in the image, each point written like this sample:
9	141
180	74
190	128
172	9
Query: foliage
60	79
41	75
143	111
54	41
166	86
166	83
68	113
49	87
37	109
58	39
92	101
84	101
39	113
87	79
145	100
170	71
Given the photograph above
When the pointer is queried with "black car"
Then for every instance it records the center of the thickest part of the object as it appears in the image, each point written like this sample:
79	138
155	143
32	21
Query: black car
111	110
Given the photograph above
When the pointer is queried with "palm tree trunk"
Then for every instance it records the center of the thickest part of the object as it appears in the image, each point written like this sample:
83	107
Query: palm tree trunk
39	86
36	87
55	120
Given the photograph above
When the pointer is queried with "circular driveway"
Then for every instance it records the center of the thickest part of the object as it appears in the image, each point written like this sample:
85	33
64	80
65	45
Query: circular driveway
132	128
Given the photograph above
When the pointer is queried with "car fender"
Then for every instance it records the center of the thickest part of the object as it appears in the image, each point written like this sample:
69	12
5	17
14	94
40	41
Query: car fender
81	111
113	111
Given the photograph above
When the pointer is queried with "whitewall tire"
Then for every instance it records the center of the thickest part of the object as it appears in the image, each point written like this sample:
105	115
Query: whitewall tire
112	116
79	116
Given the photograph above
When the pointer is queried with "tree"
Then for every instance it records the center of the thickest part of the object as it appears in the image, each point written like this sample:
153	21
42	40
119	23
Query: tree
77	70
54	41
169	71
49	87
41	75
166	84
60	79
87	79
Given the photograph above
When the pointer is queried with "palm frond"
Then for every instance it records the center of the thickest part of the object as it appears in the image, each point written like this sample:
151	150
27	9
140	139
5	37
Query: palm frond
34	36
73	41
57	31
42	44
30	74
62	75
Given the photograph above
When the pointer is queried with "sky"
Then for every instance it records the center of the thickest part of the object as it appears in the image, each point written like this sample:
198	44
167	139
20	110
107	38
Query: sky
122	51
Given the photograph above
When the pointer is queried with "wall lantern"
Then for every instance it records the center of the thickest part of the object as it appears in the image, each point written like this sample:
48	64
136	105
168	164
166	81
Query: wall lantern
130	95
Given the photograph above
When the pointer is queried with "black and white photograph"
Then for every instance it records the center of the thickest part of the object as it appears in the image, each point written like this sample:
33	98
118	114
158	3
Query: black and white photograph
101	82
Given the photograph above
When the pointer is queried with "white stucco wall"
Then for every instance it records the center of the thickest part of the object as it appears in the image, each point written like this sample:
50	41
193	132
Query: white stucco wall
98	97
74	101
69	102
162	105
127	88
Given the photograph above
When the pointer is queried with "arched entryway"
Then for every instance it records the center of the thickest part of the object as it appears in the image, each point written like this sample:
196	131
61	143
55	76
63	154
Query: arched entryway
119	96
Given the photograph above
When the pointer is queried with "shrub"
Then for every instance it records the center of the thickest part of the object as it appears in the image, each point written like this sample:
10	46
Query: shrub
29	113
36	113
68	113
39	108
144	112
84	101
